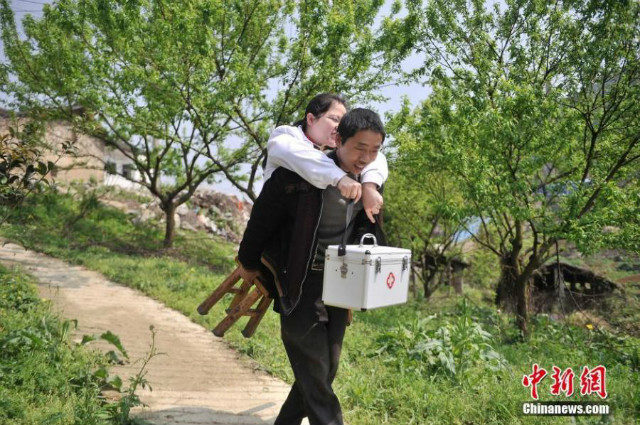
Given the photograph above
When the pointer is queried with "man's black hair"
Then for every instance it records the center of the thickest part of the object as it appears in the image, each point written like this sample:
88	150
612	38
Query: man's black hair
319	105
360	119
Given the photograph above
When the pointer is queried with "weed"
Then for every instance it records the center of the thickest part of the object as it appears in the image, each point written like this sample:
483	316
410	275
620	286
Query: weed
452	350
121	410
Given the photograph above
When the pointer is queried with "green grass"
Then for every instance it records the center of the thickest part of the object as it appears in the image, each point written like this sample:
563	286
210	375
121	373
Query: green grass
120	194
44	377
397	365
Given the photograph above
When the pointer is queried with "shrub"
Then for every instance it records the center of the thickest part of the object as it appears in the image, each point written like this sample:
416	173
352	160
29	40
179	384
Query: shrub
452	350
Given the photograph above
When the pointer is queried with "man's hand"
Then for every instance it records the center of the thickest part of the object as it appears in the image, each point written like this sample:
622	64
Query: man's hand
371	200
248	275
349	188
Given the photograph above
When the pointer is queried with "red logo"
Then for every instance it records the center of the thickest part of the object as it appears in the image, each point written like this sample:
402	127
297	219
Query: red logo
591	380
391	280
562	382
534	379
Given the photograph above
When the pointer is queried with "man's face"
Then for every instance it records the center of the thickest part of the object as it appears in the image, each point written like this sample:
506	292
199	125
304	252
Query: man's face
359	150
322	130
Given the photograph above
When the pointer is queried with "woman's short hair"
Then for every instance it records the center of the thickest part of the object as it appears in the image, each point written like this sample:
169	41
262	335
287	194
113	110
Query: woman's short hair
319	105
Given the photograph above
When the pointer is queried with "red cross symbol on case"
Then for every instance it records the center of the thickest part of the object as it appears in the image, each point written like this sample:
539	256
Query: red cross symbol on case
391	280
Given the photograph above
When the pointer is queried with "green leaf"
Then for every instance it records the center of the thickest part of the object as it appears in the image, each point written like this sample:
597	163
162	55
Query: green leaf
114	340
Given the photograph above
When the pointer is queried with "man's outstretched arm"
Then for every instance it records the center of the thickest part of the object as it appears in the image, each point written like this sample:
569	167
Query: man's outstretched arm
373	177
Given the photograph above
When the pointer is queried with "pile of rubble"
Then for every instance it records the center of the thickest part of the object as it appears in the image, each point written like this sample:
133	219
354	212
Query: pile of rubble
224	215
210	211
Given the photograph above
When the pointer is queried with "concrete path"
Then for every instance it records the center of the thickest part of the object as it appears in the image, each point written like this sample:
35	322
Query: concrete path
199	379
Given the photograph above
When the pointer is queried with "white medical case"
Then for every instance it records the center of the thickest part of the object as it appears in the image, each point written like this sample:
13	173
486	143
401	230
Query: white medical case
366	276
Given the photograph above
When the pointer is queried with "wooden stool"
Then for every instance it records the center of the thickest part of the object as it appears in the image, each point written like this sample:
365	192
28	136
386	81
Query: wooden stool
245	297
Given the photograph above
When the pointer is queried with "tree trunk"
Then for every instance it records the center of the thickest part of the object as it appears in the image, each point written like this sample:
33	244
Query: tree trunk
560	287
414	284
427	278
513	293
522	305
457	282
506	292
170	216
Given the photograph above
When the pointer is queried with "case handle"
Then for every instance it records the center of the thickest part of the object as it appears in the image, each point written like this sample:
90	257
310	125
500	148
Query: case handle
368	235
342	248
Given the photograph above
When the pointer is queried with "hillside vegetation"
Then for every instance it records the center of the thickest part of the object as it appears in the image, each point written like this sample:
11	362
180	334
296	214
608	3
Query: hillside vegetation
451	360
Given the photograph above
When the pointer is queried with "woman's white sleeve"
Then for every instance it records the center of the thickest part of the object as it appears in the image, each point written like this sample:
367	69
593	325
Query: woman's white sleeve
286	151
377	172
299	156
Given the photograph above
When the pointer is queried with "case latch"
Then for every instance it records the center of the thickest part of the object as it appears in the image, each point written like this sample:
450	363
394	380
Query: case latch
405	263
378	264
343	270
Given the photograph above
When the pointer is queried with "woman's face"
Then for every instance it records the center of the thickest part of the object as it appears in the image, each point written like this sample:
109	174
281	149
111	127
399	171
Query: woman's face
323	129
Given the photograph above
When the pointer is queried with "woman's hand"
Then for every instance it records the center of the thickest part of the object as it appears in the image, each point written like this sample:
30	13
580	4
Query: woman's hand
349	188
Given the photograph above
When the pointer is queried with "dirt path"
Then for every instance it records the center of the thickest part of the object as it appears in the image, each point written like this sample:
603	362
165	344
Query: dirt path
199	379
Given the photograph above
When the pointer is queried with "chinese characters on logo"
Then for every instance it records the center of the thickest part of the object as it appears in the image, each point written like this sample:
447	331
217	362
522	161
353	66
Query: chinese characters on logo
592	381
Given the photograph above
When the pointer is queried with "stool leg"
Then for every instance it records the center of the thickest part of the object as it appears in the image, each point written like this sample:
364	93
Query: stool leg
219	292
237	312
244	289
253	323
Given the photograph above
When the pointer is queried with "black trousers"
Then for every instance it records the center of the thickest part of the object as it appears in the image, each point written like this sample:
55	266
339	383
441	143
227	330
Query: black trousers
312	335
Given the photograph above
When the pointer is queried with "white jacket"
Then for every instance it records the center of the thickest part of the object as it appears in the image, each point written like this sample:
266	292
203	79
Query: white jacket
288	147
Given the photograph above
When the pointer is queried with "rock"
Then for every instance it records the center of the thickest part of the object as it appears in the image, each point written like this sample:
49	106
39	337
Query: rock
207	223
115	204
182	209
191	218
154	204
215	211
147	214
203	219
177	221
186	226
